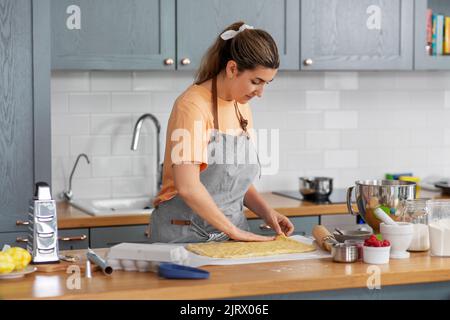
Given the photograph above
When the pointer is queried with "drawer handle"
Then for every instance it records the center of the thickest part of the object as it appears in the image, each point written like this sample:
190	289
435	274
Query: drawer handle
265	227
22	223
79	238
22	240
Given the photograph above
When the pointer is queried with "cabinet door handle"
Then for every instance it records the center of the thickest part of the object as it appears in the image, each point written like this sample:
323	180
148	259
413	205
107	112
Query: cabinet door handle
265	227
185	61
78	238
308	62
22	223
169	62
22	240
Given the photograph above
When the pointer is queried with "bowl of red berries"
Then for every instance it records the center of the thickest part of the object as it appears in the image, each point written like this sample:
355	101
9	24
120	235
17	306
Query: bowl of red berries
376	251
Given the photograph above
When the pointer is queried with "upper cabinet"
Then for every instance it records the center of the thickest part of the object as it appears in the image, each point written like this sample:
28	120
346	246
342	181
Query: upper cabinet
356	34
425	58
199	23
113	34
25	148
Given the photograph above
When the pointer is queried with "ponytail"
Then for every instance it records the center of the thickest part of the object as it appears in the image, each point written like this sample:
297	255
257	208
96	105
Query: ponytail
249	49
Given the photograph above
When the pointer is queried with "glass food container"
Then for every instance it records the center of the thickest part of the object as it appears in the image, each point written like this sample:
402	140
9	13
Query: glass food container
439	227
415	212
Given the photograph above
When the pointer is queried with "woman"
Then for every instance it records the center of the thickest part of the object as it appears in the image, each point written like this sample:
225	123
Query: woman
202	196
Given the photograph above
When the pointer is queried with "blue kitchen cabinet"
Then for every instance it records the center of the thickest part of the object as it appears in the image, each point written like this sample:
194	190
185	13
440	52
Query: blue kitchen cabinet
303	226
25	148
422	59
14	239
105	237
356	34
113	34
73	239
200	22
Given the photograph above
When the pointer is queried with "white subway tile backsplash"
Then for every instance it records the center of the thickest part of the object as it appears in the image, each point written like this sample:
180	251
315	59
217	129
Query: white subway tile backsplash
60	146
112	167
341	159
447	99
420	80
69	81
131	102
90	102
284	180
63	167
292	140
294	81
304	160
346	125
162	80
376	81
322	100
163	101
144	166
70	124
340	120
323	139
121	145
438	156
111	81
446	137
111	124
133	187
427	137
341	80
304	120
91	145
59	102
92	188
436	119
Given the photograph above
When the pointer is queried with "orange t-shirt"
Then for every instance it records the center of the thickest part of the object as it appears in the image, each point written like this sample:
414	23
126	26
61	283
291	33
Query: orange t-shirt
188	132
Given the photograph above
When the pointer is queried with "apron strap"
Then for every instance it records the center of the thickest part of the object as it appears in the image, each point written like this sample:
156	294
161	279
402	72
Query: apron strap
214	103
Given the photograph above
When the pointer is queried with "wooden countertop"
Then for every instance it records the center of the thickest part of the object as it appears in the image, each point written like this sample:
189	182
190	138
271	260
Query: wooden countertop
229	281
70	217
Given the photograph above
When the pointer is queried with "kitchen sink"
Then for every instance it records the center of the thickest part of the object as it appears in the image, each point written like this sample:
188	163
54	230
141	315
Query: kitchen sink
117	206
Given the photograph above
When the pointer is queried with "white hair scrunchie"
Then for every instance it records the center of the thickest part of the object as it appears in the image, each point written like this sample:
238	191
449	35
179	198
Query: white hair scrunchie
232	33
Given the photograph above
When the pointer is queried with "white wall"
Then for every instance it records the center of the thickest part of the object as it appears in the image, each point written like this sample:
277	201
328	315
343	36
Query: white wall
347	125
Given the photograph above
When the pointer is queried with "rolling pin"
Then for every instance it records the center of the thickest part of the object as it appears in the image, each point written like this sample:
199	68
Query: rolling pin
323	237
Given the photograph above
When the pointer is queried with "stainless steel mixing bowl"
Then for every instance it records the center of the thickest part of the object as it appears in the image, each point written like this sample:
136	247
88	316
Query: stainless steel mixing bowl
387	194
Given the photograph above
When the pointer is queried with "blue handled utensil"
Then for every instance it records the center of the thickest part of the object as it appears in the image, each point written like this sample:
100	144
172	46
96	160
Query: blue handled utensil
175	271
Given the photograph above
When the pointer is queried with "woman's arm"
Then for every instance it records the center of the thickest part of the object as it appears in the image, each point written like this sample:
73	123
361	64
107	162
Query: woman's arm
193	192
279	223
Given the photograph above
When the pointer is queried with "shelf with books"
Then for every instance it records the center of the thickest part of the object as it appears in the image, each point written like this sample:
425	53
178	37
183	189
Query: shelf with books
432	35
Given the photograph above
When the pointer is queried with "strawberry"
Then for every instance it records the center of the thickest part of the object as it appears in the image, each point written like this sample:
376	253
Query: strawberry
386	243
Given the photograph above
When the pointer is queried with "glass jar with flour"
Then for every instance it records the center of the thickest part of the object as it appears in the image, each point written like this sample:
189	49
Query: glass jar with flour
415	212
439	227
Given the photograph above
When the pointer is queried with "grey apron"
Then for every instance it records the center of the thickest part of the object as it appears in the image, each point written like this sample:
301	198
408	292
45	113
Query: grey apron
230	172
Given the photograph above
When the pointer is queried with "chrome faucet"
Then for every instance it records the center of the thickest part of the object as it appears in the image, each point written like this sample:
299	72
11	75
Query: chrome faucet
134	144
68	194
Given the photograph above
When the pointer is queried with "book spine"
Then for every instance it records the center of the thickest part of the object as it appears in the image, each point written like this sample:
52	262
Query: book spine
447	36
429	26
440	34
433	38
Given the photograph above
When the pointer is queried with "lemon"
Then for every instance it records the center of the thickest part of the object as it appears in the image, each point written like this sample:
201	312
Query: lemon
6	263
20	256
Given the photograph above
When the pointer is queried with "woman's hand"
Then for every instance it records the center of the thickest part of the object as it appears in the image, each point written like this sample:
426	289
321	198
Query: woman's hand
280	223
241	235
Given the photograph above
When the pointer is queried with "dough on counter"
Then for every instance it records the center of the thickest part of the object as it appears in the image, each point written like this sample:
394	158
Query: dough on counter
235	249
